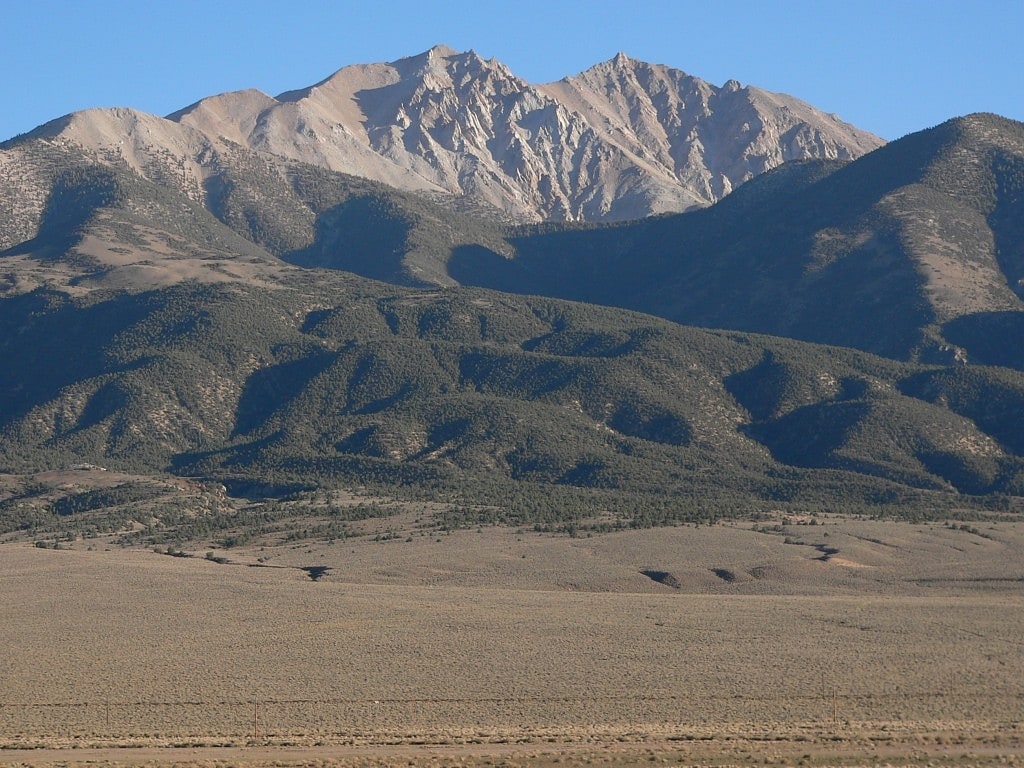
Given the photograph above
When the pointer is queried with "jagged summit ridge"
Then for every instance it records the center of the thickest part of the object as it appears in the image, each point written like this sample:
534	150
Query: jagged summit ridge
708	139
622	140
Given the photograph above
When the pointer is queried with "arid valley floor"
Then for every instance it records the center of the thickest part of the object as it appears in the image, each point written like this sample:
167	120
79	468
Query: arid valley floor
849	642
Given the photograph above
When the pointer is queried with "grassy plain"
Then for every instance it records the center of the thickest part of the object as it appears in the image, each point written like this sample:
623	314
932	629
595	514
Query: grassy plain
852	642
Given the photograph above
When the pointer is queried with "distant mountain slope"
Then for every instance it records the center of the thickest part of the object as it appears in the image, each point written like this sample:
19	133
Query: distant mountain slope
134	211
81	223
912	251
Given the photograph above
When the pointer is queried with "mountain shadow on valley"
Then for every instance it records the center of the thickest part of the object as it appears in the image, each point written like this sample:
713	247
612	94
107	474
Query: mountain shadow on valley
366	235
984	335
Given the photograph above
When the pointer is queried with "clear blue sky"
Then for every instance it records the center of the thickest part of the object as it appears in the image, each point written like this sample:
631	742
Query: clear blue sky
887	66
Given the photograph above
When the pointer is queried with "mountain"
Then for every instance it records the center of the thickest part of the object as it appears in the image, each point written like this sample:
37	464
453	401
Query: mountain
174	300
914	251
710	139
96	181
621	141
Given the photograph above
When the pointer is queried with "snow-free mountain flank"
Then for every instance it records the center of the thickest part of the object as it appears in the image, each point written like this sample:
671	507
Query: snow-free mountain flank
623	140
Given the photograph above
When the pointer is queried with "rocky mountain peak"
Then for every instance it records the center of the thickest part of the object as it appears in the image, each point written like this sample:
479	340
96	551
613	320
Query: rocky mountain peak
430	61
623	139
441	52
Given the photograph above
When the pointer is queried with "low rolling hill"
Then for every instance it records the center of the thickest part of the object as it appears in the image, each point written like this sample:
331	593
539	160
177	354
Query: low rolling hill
542	410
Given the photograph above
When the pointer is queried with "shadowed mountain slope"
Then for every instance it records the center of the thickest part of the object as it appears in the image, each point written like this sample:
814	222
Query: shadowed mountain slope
912	251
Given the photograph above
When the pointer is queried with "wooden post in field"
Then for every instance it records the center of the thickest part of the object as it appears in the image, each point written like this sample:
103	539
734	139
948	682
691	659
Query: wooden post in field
835	706
107	707
255	719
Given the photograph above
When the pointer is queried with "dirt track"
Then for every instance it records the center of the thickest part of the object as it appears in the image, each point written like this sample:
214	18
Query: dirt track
858	746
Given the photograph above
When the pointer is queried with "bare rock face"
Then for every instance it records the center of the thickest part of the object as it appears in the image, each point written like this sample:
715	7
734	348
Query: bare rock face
442	122
703	139
622	140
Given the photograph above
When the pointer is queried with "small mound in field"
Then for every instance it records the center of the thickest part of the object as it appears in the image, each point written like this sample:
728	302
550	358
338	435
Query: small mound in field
662	577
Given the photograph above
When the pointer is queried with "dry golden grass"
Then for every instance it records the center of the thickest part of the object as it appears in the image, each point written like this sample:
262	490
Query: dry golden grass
905	636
